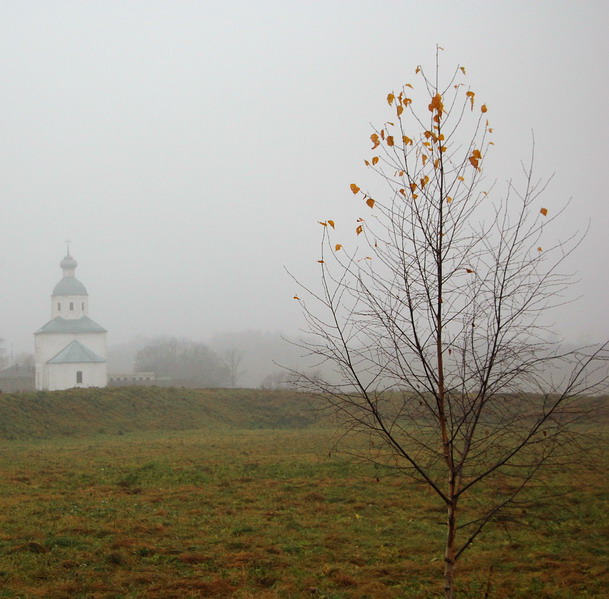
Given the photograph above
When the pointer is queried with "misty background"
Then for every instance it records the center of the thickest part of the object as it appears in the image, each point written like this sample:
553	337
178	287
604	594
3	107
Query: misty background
189	149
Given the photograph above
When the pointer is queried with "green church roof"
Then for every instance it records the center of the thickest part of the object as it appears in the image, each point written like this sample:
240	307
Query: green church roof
69	286
75	353
71	325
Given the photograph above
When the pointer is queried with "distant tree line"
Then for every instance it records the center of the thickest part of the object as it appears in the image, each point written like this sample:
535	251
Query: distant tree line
184	363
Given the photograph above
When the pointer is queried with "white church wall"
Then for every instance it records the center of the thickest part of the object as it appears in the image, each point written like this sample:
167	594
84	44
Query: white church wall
65	376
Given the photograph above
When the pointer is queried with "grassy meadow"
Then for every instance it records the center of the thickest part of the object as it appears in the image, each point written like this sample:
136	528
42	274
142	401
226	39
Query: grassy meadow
236	508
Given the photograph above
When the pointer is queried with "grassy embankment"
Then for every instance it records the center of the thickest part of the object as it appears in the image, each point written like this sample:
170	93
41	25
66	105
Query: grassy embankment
119	410
224	511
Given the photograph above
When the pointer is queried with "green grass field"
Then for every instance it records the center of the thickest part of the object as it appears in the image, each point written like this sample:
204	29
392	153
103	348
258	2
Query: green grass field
243	511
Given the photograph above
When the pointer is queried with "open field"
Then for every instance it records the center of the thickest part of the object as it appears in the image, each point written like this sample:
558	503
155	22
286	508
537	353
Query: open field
264	513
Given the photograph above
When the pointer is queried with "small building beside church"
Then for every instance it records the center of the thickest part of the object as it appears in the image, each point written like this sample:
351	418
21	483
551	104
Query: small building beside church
70	349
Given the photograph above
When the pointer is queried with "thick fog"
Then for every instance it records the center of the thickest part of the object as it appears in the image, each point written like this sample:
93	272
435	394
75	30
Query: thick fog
188	149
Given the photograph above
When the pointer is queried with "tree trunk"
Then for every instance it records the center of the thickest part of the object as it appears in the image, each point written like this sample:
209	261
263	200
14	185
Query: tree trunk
449	553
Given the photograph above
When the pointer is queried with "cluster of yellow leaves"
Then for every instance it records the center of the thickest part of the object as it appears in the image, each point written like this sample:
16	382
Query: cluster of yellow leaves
402	101
544	211
436	106
326	223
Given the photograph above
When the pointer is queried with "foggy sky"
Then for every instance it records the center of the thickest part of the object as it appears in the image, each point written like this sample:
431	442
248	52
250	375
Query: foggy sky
188	149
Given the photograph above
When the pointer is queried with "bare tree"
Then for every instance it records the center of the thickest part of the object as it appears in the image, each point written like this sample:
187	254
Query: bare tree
4	361
233	359
436	319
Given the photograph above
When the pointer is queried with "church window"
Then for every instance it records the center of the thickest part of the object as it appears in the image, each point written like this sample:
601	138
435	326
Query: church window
71	306
78	376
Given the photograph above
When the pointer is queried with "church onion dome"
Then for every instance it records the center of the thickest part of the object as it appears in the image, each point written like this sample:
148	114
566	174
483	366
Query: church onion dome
68	263
69	286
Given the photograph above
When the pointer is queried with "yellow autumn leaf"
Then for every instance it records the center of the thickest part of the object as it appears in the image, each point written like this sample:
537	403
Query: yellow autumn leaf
417	70
354	188
390	99
390	140
322	223
338	246
463	70
460	178
471	95
360	220
424	181
483	108
375	140
413	186
370	202
366	163
402	191
539	249
407	101
375	160
448	199
544	211
408	85
321	261
470	271
331	223
406	140
424	159
359	229
400	110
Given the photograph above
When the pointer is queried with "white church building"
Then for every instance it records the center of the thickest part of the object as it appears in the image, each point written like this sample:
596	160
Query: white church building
70	349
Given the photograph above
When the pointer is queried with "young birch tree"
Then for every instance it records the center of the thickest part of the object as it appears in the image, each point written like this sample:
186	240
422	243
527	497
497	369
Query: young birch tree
435	320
